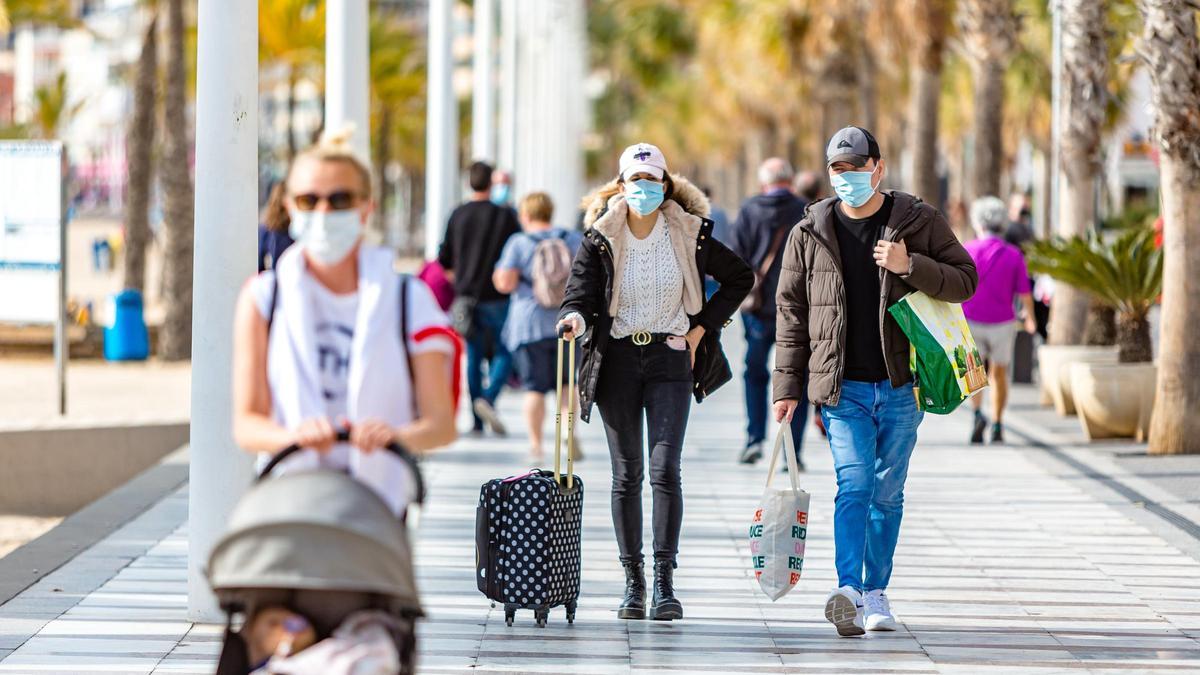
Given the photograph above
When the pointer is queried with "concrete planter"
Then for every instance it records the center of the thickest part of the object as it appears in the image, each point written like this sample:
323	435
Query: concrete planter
1053	368
1114	400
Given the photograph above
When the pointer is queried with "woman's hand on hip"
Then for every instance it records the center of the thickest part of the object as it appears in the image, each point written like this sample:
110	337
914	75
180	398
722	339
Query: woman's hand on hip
370	435
784	409
317	433
693	338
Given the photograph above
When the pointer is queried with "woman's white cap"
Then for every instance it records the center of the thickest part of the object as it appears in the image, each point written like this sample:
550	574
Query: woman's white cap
643	158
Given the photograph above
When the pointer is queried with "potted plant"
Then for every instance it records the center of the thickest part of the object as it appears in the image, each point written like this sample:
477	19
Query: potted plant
1125	273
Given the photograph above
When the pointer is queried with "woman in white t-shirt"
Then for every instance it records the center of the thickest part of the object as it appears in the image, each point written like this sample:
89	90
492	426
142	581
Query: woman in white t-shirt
317	340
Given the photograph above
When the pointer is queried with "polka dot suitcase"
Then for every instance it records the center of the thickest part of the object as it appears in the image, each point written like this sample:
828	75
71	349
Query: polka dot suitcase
527	531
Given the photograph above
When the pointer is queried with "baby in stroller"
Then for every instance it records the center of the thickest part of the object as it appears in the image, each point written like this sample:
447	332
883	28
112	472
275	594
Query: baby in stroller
352	367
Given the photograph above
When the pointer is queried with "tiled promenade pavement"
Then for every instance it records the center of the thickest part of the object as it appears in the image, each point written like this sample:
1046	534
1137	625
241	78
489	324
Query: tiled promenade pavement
1008	563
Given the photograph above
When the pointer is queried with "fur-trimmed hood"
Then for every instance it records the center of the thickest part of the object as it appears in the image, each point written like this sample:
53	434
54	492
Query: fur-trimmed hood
684	214
689	197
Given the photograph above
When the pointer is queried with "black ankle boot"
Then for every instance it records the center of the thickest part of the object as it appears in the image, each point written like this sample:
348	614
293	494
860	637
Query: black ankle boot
665	607
633	606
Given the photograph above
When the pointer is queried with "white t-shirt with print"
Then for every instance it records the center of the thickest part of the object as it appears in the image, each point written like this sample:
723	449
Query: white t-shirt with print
335	316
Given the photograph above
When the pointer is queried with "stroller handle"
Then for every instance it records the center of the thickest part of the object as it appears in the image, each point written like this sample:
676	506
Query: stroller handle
343	435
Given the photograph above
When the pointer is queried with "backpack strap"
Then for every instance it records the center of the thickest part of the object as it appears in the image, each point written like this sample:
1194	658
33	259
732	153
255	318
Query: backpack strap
274	298
404	333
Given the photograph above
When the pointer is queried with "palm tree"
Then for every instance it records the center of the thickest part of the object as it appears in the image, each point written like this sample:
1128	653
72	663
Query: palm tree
291	34
989	31
1172	52
140	151
50	110
397	89
176	342
932	26
1085	96
1124	275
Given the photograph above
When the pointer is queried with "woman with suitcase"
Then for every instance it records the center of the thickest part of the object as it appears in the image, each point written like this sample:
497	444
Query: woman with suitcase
651	341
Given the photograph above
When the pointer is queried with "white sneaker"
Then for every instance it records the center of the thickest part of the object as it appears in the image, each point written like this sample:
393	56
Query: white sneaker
878	611
488	414
844	609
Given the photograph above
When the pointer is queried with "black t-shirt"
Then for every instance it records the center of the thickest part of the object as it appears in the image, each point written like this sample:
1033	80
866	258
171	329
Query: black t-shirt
857	239
475	236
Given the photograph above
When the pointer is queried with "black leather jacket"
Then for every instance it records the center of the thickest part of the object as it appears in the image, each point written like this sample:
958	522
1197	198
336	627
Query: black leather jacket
589	291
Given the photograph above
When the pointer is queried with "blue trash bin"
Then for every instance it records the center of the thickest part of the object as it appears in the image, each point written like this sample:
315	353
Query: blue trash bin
125	336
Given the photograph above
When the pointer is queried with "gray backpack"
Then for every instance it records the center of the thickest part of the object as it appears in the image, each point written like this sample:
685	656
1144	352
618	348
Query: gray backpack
549	270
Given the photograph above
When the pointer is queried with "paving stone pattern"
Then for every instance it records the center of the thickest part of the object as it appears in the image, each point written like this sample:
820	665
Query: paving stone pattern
1005	565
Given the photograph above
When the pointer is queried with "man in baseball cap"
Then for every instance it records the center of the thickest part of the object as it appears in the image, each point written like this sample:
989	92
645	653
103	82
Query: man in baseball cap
854	145
643	158
849	356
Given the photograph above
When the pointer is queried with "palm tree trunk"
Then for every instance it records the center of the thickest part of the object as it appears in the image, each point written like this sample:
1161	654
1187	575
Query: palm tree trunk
383	151
923	133
1133	339
989	139
1085	81
1173	53
140	145
291	113
176	343
868	99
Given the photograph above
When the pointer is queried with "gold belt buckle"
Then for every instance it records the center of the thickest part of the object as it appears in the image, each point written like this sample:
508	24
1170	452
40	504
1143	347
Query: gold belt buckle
641	338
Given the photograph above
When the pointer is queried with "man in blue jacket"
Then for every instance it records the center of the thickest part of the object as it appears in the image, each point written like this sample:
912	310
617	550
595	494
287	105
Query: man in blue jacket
759	234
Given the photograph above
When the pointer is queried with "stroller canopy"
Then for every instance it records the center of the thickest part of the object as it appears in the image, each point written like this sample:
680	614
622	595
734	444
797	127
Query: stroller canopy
314	530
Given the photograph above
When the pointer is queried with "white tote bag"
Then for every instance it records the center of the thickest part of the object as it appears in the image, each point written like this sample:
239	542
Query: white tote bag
780	525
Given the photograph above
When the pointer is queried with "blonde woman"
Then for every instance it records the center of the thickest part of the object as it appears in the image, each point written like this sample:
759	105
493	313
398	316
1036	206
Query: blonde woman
651	342
317	339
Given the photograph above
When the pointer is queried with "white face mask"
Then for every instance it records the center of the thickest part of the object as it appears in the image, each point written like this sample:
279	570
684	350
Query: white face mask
328	236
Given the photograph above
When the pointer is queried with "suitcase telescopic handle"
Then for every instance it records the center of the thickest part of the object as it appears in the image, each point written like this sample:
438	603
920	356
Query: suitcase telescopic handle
570	404
343	435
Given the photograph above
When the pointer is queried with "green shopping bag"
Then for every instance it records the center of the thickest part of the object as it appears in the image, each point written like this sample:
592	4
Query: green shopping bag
942	354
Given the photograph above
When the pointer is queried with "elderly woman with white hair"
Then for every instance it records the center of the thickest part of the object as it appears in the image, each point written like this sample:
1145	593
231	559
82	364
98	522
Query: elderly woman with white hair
990	313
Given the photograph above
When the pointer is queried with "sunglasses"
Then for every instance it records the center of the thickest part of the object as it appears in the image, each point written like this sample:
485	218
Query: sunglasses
337	201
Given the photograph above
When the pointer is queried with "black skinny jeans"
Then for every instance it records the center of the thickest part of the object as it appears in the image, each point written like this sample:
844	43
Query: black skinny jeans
657	381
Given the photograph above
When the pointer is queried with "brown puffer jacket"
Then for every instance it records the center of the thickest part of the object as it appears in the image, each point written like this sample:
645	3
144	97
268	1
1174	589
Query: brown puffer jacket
811	325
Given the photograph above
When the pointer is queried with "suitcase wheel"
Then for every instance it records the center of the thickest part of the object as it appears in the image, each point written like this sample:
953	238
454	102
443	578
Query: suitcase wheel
570	612
541	616
509	614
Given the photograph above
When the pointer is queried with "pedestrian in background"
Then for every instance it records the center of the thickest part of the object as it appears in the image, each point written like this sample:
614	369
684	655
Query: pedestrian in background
1003	279
651	342
843	266
809	187
533	269
762	227
475	236
501	190
721	232
273	236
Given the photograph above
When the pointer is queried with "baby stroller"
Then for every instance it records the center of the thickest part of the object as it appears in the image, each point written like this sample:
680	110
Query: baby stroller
322	545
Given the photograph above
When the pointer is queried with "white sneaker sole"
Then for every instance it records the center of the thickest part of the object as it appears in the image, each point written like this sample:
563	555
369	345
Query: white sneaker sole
843	614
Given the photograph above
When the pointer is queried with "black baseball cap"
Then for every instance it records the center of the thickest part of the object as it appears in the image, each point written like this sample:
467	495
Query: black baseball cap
852	144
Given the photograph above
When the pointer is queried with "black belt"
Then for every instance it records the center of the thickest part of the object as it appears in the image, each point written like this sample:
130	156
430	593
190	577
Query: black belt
642	338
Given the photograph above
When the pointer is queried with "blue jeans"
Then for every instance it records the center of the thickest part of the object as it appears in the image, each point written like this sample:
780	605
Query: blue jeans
760	337
485	344
872	431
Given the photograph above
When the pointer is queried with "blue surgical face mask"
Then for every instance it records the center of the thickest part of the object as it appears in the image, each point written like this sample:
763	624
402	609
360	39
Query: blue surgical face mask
854	187
644	196
499	194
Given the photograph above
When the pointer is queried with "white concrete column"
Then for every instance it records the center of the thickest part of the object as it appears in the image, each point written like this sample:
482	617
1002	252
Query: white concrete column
226	212
441	127
551	110
483	101
347	70
508	84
